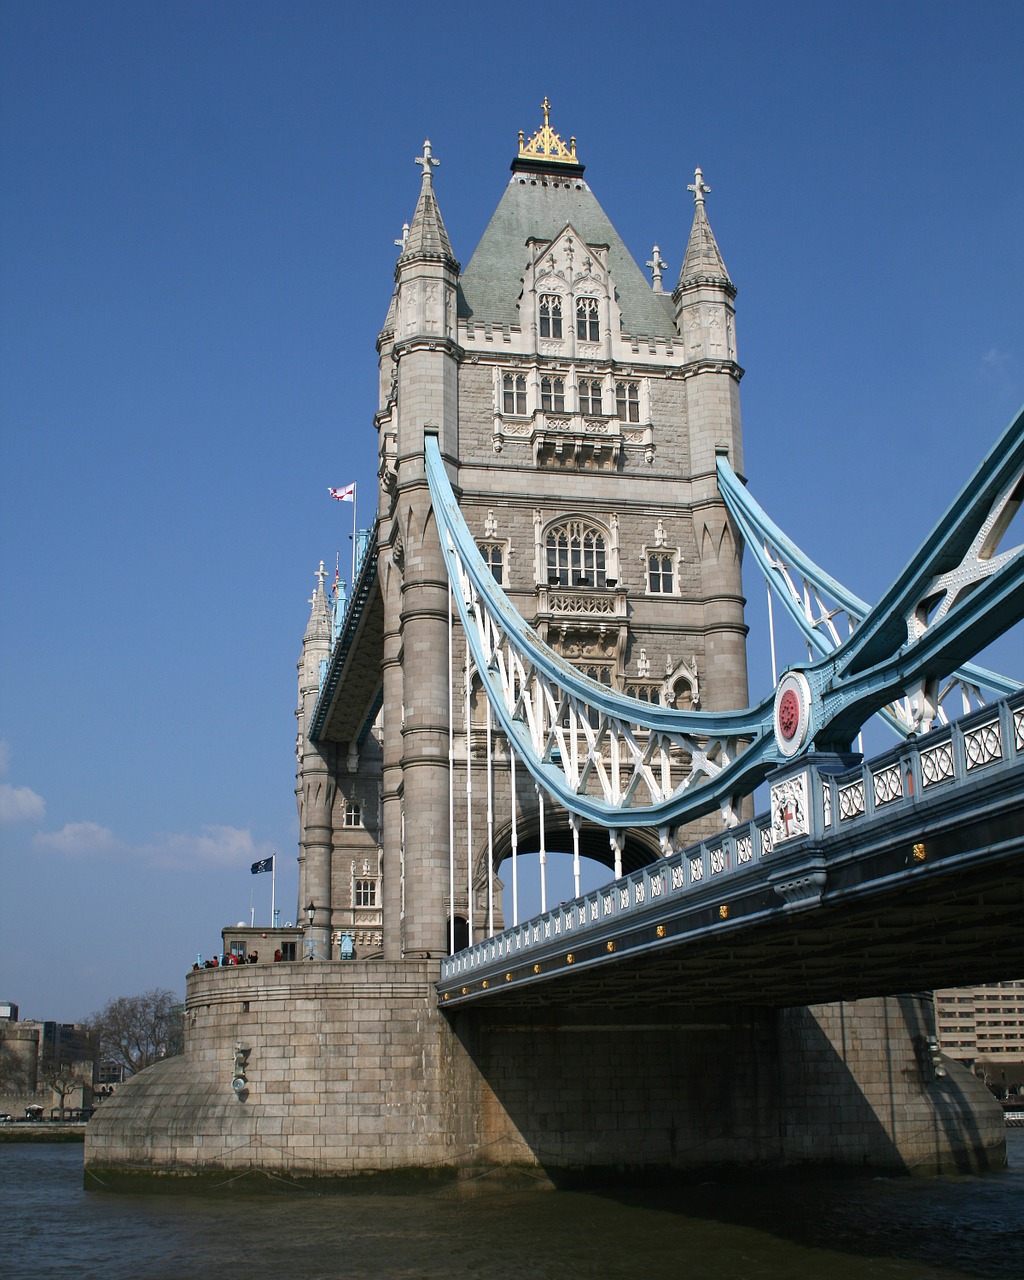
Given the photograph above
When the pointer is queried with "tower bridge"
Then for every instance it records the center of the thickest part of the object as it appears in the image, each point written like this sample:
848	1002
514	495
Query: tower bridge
545	636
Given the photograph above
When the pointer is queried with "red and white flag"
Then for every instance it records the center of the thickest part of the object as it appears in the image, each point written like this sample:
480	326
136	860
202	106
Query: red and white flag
348	494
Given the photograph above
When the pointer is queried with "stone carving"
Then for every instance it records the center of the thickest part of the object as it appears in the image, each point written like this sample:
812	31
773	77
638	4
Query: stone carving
790	809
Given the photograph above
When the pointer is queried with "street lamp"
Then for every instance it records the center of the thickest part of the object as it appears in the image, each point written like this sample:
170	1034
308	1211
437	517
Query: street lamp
310	912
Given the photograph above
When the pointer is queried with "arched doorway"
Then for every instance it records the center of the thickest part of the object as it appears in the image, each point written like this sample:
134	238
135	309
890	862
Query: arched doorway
461	934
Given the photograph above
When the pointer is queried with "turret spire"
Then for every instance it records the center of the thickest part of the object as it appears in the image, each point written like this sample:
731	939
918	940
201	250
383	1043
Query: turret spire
427	236
702	262
319	625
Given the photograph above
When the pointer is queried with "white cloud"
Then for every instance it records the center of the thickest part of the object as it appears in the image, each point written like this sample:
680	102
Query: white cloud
213	846
997	359
78	840
17	804
20	804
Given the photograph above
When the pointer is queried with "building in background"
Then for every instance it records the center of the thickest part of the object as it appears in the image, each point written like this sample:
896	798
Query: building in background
49	1067
983	1027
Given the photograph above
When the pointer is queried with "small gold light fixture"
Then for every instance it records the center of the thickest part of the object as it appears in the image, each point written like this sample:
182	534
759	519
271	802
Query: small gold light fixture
723	911
465	991
920	853
508	977
536	968
569	958
484	984
660	931
446	995
610	946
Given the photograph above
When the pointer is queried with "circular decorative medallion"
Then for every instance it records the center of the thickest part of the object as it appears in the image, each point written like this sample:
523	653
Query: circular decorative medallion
792	712
789	714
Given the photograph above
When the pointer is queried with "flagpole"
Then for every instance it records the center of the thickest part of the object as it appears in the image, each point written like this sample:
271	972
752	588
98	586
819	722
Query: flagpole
273	878
352	584
252	908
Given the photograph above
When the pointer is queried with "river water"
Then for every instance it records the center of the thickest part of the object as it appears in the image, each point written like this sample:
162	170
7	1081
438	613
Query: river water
821	1229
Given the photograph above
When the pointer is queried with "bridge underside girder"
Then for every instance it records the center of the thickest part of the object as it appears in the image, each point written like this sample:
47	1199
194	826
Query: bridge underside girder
355	677
963	937
929	907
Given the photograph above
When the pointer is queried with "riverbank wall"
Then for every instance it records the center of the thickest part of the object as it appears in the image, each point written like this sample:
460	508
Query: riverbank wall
44	1131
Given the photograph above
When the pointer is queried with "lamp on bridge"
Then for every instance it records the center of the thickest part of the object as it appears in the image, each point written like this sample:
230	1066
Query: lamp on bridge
310	913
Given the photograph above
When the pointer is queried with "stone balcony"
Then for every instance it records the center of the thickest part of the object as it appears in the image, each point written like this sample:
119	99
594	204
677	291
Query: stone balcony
580	440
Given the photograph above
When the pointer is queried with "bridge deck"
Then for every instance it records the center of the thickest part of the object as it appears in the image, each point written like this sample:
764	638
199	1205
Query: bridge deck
909	876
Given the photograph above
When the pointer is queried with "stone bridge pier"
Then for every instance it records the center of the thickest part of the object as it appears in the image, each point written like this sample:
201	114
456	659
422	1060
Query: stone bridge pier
352	1073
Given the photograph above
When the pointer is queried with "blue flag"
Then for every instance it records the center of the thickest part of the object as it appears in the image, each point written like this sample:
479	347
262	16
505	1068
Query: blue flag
267	864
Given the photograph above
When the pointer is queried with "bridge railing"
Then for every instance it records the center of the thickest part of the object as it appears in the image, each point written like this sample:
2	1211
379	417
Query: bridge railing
954	754
950	757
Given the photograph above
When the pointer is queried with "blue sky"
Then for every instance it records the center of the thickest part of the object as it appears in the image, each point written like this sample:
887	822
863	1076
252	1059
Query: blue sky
196	245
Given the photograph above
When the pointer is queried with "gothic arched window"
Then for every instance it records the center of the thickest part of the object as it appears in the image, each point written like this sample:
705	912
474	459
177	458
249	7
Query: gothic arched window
550	315
627	401
552	395
590	396
660	578
588	323
494	554
514	394
576	555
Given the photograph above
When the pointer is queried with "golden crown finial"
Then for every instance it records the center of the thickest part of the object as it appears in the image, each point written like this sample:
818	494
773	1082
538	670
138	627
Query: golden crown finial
546	144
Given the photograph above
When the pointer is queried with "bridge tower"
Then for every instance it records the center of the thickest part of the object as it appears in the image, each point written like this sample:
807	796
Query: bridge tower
315	775
419	360
579	409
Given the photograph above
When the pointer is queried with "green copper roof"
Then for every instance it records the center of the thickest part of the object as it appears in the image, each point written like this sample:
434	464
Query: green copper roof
540	206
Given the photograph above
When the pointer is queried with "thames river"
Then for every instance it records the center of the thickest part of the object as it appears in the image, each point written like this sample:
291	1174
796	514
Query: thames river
829	1228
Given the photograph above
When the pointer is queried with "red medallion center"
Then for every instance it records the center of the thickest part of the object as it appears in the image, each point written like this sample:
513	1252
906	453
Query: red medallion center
789	714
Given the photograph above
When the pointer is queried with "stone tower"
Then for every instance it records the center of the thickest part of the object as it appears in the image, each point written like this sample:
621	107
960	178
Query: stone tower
579	409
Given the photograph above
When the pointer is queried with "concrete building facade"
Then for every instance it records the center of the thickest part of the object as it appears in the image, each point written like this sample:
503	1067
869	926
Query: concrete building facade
983	1027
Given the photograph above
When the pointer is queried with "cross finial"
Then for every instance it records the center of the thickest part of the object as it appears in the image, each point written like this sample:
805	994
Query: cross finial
545	106
426	161
320	576
657	266
698	186
401	241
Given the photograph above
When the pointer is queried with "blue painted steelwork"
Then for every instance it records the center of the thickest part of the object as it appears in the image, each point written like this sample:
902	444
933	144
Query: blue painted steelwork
945	764
955	596
530	701
778	557
358	600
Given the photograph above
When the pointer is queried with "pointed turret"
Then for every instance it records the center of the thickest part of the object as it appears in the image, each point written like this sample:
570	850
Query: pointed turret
702	262
419	381
703	298
427	237
319	625
314	785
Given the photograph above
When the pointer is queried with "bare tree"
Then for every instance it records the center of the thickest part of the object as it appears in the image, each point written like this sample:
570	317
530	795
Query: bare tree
136	1031
64	1076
